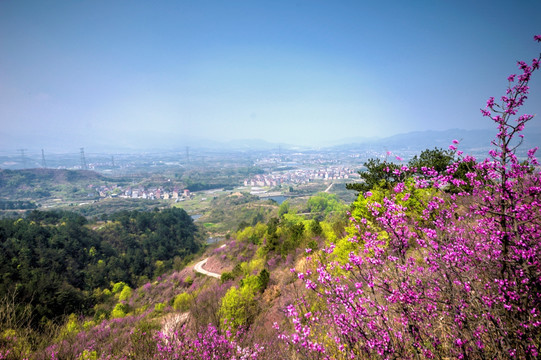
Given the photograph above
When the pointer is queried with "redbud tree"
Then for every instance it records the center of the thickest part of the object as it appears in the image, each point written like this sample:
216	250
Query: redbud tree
433	273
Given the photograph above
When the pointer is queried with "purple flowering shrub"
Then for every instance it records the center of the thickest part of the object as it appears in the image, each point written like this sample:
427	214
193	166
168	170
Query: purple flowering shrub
109	339
458	276
206	345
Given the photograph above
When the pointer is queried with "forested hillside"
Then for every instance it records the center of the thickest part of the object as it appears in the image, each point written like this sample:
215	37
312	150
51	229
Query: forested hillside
55	260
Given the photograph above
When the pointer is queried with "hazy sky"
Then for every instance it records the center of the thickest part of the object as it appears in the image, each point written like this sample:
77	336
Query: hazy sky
153	73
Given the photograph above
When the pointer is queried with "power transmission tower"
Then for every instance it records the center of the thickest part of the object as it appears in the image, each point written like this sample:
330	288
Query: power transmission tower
43	162
112	161
23	157
187	154
83	160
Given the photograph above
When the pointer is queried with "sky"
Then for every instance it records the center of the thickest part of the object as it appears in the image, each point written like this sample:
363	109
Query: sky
106	74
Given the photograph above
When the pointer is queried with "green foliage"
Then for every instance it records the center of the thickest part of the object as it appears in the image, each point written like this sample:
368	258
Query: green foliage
377	173
227	276
120	310
324	204
283	208
254	265
292	219
19	204
70	327
159	307
238	306
242	225
328	232
253	234
125	294
54	260
381	174
315	228
413	201
237	270
32	184
312	244
293	239
88	355
263	279
118	287
437	158
182	302
234	212
87	325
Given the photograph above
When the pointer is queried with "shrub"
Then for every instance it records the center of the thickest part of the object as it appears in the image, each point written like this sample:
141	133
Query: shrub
125	294
226	276
159	307
117	287
119	310
182	302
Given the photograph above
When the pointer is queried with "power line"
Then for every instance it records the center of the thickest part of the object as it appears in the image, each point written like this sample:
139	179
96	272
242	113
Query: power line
23	157
43	162
83	160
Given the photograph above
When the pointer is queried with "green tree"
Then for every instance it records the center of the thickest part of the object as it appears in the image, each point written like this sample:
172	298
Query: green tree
315	228
377	173
182	302
263	279
238	306
437	159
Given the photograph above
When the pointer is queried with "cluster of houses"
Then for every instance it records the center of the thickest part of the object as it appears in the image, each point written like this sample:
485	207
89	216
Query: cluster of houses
301	176
142	193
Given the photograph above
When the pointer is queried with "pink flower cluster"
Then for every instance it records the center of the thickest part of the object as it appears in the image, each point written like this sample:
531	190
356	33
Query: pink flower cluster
207	345
438	274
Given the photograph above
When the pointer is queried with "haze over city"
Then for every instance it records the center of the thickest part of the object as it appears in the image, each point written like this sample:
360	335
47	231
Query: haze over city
137	75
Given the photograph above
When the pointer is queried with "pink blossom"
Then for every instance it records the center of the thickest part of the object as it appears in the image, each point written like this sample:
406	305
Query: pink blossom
464	261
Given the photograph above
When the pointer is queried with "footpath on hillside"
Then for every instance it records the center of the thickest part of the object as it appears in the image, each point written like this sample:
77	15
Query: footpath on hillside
199	268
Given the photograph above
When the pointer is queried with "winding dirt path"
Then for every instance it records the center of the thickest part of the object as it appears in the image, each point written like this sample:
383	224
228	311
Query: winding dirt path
199	268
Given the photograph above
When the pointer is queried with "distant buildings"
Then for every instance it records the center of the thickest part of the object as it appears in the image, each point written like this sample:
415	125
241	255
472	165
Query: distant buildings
301	176
140	192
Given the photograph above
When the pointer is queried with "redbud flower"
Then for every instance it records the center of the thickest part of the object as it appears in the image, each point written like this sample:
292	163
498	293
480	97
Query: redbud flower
537	38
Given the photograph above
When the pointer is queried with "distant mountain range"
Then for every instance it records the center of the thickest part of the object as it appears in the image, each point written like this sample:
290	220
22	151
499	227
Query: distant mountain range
428	139
469	141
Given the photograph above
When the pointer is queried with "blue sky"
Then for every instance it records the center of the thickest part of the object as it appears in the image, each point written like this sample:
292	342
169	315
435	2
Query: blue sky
140	74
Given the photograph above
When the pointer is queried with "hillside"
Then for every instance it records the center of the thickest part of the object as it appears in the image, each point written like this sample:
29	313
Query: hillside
52	263
42	185
132	302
